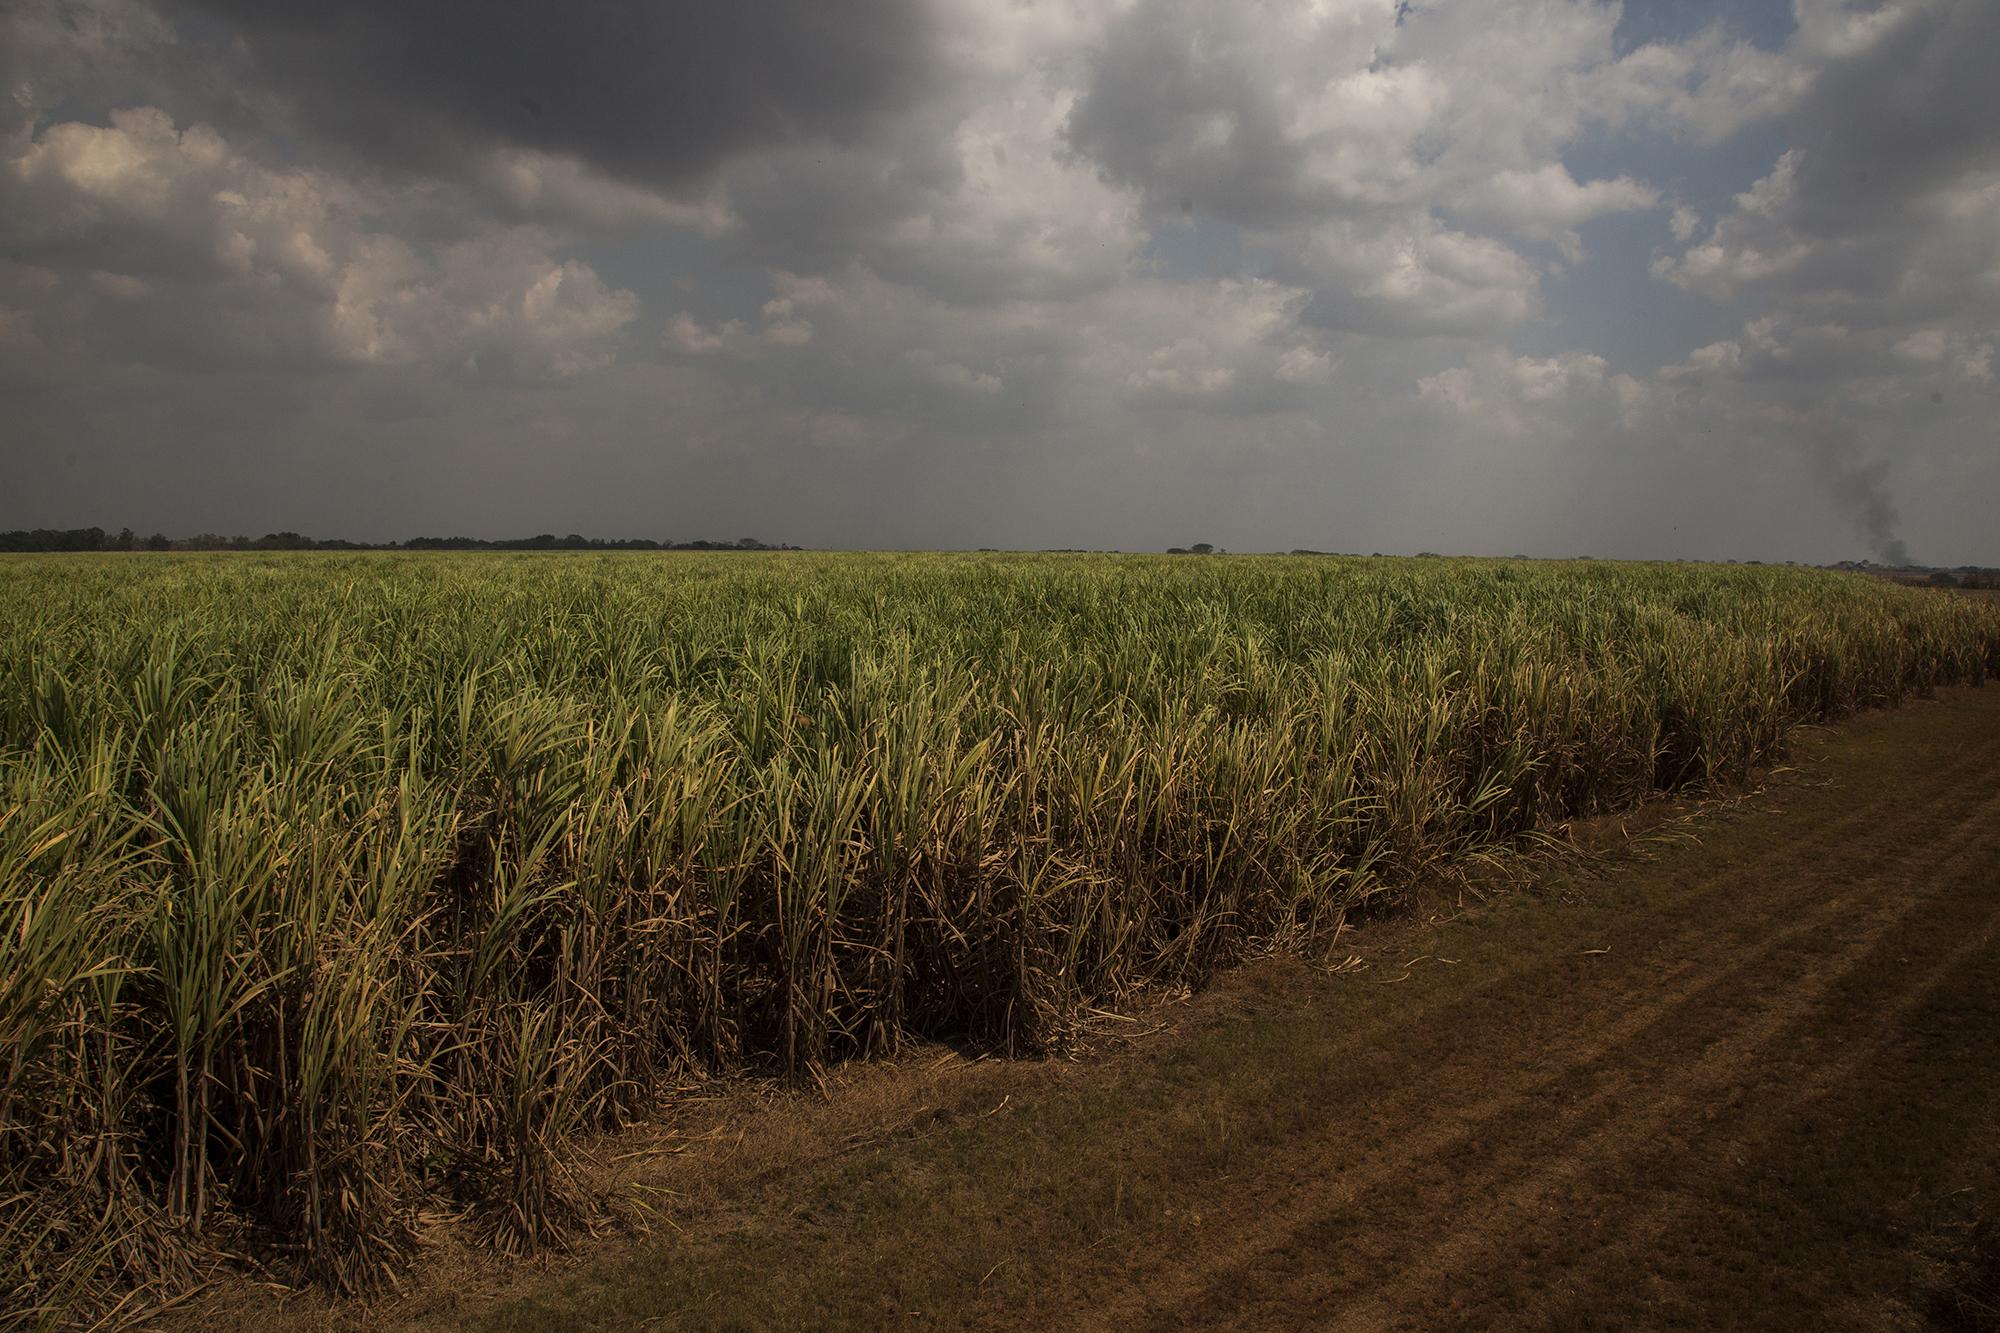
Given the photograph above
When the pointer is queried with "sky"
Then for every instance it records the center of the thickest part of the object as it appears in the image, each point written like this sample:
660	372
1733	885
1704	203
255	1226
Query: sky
1666	279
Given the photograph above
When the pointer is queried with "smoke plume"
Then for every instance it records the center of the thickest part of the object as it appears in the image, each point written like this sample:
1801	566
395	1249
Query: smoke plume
1859	488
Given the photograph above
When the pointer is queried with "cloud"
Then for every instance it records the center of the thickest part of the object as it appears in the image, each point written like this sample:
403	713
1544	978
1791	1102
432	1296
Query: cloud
1890	189
1302	365
116	52
954	374
1273	115
1396	159
1450	275
1866	265
1751	245
297	263
1923	345
1416	275
782	327
1523	395
974	196
653	94
566	188
1549	197
882	349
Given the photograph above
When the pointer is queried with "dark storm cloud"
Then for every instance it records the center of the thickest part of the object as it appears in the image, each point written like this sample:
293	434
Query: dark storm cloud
1175	108
1913	112
90	55
658	93
812	210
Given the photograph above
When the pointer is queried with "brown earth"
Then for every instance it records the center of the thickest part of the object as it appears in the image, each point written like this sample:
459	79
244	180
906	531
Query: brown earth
1743	1073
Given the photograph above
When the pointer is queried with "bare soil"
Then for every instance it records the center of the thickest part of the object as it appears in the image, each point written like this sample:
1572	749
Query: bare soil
1742	1072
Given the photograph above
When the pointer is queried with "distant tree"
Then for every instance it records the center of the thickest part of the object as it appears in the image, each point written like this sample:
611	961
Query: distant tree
1202	548
53	539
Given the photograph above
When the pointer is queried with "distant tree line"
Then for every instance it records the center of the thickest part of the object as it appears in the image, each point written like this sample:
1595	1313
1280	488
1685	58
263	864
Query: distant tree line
97	539
1966	577
549	542
80	539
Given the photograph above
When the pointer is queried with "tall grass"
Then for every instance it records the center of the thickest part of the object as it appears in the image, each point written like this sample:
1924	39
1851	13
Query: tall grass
334	887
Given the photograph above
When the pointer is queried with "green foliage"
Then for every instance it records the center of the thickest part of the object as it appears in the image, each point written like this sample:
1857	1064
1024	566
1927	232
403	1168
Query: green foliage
339	886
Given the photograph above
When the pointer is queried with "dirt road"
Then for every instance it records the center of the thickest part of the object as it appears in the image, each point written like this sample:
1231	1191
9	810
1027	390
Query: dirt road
1749	1078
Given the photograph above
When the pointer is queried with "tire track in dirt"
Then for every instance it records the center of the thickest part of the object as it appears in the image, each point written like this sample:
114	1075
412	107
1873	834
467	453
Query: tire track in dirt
1754	1129
1228	1270
1566	1157
1577	1132
1769	862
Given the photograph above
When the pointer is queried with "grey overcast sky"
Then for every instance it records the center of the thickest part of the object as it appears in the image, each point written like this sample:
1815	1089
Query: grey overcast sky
1663	279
